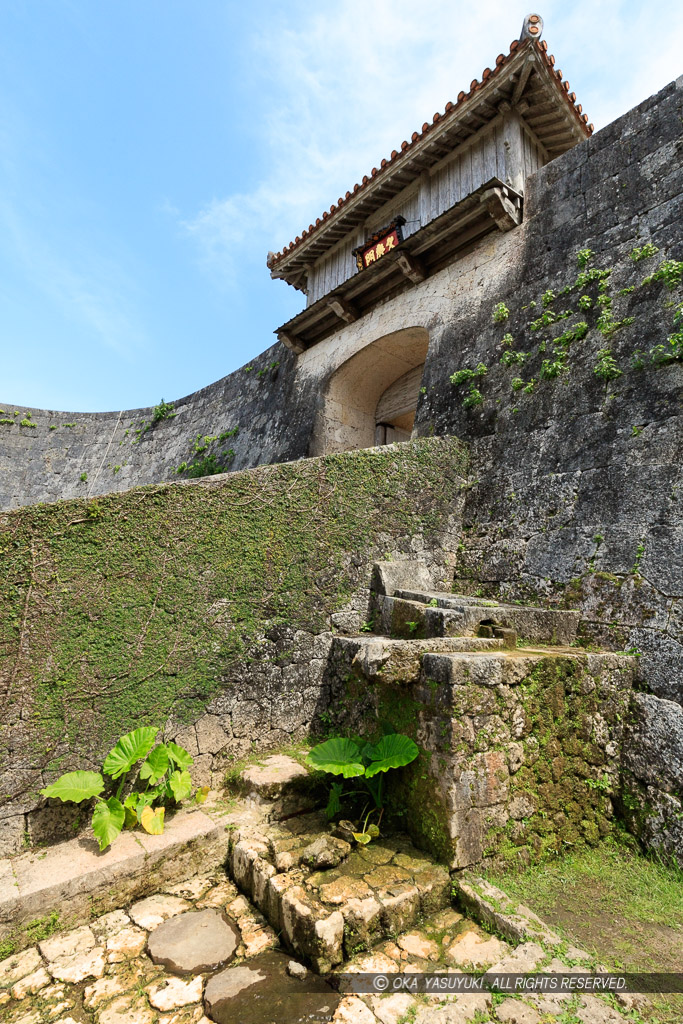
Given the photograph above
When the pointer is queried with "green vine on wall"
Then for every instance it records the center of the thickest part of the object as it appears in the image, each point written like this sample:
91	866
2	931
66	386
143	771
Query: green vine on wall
556	363
206	462
162	411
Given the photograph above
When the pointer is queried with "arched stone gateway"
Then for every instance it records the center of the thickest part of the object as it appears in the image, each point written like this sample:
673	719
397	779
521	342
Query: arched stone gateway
371	398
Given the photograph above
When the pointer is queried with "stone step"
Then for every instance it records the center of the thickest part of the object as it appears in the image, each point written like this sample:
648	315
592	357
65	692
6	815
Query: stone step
77	880
326	899
399	660
279	786
427	614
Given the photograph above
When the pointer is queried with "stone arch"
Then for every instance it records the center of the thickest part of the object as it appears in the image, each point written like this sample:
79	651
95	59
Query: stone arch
371	398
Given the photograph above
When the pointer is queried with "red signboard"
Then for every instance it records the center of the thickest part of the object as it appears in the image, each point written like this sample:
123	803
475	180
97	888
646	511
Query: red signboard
379	244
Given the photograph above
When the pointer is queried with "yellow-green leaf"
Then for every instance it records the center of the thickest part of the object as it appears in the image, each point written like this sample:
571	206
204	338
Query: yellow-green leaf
362	837
153	820
201	794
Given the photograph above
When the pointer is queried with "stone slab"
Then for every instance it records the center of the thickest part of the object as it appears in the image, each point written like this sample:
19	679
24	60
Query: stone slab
74	876
186	826
194	943
261	991
8	883
495	910
272	775
70	864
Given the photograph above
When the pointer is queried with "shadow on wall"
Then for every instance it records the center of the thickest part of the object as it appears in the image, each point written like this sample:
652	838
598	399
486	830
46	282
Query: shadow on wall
371	399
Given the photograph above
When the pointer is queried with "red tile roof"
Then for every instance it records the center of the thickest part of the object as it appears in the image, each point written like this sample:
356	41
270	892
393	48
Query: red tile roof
487	74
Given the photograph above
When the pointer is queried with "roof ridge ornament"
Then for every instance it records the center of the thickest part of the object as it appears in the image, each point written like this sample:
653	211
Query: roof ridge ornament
532	27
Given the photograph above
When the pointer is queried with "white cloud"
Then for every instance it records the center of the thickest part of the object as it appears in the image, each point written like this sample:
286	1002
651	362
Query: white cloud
344	85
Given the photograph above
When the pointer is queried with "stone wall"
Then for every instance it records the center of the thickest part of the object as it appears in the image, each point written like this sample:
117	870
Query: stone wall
47	455
575	495
205	608
520	753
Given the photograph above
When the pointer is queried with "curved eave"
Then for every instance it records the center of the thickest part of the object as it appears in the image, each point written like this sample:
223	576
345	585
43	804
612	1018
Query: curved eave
526	80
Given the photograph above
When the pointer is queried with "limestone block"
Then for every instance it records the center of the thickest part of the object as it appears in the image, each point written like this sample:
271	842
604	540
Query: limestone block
80	966
68	943
513	1011
190	888
127	943
173	993
31	984
109	924
353	1010
388	577
363	924
418	945
272	776
400	907
211	737
127	1009
243	856
472	950
653	749
19	966
102	990
325	852
393	1009
311	930
218	896
149	913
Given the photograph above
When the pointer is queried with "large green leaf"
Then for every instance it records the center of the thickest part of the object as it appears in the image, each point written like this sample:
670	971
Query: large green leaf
181	785
391	752
130	749
337	756
179	755
76	786
107	821
156	764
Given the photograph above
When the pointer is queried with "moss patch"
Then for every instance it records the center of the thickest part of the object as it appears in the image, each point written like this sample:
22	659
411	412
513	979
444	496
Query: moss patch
563	774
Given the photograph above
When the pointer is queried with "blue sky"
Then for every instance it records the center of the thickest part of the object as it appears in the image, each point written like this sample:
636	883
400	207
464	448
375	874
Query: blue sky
151	153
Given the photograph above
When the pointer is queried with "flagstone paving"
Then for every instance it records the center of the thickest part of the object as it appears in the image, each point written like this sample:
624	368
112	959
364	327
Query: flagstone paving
102	974
218	947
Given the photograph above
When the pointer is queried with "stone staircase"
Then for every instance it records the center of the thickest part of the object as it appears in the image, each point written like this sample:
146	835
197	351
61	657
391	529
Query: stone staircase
518	756
520	730
326	899
415	610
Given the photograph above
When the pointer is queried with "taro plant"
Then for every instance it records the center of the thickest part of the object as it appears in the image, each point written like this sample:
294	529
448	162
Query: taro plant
368	764
164	775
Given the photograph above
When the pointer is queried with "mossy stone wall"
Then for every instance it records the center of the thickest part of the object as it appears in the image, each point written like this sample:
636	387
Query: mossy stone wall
204	608
520	755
